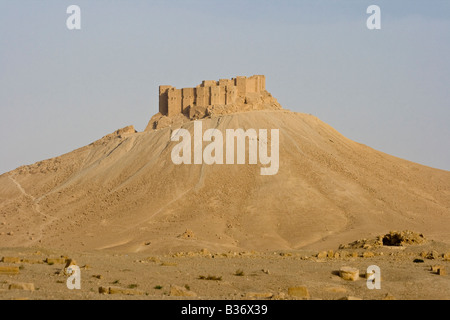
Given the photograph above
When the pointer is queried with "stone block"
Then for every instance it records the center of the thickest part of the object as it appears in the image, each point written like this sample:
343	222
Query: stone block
21	286
349	273
9	270
55	260
259	295
299	292
11	260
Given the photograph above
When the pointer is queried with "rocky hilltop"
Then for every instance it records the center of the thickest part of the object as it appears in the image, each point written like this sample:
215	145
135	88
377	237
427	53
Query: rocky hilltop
211	98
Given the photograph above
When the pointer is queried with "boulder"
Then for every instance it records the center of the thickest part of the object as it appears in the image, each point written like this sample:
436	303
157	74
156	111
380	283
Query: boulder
21	286
9	270
11	260
349	273
299	292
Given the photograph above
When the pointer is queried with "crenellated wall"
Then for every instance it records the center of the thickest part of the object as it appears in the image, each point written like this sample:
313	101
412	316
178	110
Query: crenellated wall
173	101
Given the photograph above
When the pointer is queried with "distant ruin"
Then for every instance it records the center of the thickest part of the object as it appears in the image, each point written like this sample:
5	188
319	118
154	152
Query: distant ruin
173	101
212	98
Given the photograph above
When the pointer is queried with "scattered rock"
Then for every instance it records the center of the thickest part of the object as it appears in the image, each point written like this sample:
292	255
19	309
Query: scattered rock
98	276
349	273
21	286
393	238
176	291
259	295
266	271
299	292
350	298
32	261
336	289
9	270
322	255
55	260
69	262
388	296
153	259
117	290
435	268
11	260
446	256
279	296
433	255
285	254
343	254
440	270
126	130
129	292
187	235
330	254
368	254
396	238
169	264
103	290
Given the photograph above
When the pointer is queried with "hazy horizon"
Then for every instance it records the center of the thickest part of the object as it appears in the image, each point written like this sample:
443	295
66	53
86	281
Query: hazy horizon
63	89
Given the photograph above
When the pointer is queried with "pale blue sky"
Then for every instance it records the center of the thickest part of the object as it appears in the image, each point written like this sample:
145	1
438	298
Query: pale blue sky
62	89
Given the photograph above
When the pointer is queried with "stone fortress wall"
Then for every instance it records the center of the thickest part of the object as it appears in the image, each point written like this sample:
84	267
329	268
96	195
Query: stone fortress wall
212	98
173	101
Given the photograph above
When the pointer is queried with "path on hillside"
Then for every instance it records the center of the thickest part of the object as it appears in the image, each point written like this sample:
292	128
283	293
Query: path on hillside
39	229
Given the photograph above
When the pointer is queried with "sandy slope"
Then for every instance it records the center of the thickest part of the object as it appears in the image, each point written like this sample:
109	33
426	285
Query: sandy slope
123	193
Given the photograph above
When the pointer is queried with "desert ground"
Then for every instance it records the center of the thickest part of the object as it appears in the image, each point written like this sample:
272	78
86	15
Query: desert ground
412	271
140	227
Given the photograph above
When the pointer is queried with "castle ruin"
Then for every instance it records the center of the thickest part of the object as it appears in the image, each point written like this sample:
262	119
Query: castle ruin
173	101
211	98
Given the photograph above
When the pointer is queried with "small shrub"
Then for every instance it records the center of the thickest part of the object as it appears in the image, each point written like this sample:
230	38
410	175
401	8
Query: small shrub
239	273
209	277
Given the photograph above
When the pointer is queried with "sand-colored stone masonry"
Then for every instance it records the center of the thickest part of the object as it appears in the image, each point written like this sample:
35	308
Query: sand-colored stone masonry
173	101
